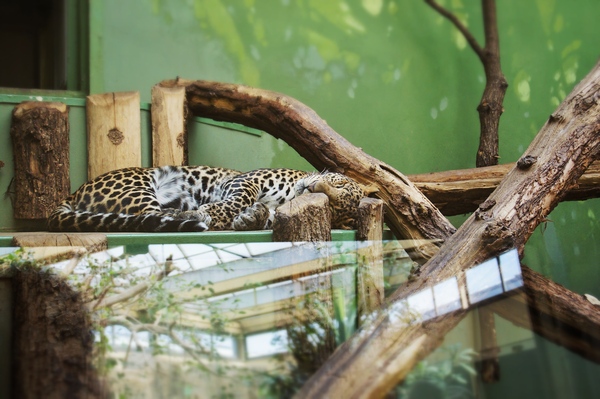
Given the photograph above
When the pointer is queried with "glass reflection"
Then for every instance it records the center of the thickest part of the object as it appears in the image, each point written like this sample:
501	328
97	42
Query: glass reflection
257	320
484	281
422	304
510	267
447	296
494	276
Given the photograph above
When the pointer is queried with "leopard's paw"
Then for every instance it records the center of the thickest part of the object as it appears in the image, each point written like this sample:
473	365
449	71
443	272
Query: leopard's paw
199	216
254	217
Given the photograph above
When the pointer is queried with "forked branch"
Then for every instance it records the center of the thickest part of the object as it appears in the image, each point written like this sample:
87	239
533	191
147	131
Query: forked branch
490	107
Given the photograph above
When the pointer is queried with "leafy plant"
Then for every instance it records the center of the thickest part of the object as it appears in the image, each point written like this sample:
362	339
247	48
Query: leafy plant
447	379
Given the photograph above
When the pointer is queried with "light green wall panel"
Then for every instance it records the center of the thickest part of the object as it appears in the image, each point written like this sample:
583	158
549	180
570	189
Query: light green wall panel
393	77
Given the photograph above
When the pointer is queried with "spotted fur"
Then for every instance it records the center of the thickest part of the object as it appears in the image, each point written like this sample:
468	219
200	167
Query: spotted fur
197	198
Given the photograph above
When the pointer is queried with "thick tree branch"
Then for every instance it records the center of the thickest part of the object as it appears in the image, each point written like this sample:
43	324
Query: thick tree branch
563	149
456	192
551	311
460	26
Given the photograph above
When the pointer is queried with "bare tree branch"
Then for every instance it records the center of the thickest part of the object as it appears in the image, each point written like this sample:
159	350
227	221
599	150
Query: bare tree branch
490	107
130	292
154	328
456	192
459	25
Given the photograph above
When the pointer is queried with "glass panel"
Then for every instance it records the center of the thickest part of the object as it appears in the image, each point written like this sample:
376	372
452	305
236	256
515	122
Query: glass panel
510	267
267	343
259	319
484	281
447	296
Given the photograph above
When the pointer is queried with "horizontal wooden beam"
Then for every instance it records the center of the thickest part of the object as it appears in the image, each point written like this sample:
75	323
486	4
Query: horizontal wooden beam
456	192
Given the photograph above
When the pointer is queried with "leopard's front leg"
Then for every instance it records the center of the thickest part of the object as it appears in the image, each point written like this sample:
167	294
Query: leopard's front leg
221	214
240	194
188	215
254	217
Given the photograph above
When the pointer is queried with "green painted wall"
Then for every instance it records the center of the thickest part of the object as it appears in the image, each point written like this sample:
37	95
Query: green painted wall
392	76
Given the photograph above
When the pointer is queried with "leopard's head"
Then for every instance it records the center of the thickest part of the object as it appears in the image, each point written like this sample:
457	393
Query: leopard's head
344	196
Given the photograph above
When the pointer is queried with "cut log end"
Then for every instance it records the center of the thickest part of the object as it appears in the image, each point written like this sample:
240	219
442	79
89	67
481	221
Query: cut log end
306	218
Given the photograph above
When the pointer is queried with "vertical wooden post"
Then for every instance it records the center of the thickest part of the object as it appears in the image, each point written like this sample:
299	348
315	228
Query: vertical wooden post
113	124
93	242
370	289
40	137
488	364
52	345
169	132
306	218
6	337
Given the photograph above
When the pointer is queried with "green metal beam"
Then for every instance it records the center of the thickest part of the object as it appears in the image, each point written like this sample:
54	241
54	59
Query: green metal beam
209	237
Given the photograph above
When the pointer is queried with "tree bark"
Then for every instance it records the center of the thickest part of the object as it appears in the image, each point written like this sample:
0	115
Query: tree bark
52	340
456	192
113	125
560	153
306	218
40	137
169	126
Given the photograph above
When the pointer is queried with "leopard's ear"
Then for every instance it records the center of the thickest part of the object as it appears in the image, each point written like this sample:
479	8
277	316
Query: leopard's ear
369	189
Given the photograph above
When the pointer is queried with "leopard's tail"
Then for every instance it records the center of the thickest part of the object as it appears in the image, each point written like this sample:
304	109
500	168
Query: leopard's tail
66	219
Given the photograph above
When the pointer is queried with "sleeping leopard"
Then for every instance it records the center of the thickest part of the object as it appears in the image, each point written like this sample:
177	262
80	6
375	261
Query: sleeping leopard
198	198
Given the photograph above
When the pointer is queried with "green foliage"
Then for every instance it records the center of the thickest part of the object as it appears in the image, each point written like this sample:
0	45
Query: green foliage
18	259
311	339
449	378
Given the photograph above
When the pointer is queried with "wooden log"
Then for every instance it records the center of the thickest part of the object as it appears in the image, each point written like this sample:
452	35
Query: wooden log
561	316
306	218
93	242
40	137
456	192
113	125
370	289
52	346
370	220
169	131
